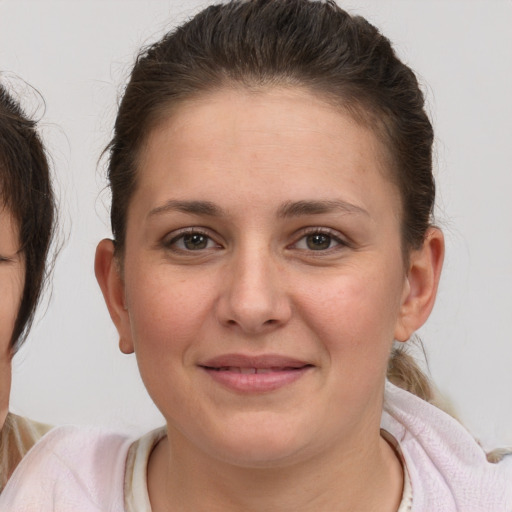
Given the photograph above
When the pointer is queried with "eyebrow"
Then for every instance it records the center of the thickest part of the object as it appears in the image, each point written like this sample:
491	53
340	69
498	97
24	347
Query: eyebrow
302	208
288	209
194	207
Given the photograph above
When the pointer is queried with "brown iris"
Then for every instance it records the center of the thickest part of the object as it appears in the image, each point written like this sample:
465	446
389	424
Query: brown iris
195	241
318	241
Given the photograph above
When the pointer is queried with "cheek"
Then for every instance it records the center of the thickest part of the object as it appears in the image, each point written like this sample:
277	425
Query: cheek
169	316
9	304
354	318
167	310
5	387
11	287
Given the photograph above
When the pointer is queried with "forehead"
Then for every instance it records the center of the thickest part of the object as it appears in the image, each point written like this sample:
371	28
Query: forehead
9	231
281	136
270	108
10	184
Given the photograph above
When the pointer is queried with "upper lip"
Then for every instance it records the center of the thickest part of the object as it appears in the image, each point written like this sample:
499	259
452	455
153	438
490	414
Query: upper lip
252	361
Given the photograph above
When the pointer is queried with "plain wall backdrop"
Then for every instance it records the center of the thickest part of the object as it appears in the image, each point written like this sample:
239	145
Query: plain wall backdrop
78	55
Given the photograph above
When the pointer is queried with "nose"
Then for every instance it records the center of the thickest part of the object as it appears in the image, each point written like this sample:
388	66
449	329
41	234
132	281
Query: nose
254	297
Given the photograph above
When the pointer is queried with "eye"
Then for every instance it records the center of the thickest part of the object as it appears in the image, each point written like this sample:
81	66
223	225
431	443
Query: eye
191	241
195	241
318	241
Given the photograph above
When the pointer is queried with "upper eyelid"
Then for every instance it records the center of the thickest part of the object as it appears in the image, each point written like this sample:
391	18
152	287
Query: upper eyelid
215	237
175	235
188	230
311	230
342	240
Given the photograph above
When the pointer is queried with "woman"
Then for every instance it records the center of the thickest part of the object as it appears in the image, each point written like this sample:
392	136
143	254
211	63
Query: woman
26	226
272	199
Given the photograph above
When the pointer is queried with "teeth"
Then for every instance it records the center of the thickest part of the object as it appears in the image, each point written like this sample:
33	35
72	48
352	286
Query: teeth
237	369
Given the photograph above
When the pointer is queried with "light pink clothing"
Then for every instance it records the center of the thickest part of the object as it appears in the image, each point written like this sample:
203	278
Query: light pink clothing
84	470
17	436
448	469
71	470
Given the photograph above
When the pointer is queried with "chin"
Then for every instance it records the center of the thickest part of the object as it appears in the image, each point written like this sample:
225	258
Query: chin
259	445
259	455
3	416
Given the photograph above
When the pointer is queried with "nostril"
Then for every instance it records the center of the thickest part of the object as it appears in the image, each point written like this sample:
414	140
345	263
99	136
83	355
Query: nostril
270	323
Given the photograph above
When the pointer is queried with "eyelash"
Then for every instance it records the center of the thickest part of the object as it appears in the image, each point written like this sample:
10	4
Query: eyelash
332	235
171	244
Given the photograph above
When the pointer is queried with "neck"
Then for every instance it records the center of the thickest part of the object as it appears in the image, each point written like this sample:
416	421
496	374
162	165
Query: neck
367	478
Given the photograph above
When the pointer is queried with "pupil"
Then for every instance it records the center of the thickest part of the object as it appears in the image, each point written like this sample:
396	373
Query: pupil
318	242
195	241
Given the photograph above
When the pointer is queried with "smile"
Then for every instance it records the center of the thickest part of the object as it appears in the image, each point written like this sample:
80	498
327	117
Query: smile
237	369
260	374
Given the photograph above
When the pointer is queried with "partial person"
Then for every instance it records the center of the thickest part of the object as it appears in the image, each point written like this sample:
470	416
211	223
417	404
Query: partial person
27	213
273	247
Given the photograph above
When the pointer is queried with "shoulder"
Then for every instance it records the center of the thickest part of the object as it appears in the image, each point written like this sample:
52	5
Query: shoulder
17	436
73	466
26	428
25	432
448	469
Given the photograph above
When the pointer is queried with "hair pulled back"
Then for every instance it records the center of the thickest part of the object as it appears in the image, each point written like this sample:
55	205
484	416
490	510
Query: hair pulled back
25	190
298	43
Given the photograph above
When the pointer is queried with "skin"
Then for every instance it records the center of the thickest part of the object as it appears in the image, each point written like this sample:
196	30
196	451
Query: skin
260	284
12	272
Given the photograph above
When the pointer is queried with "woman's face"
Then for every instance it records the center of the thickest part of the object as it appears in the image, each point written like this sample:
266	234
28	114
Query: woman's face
263	281
12	273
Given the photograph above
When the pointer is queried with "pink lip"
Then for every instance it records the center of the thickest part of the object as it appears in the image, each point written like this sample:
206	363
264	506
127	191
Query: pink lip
255	374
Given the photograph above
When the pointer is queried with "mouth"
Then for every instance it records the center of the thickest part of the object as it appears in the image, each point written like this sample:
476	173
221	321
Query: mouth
253	370
249	374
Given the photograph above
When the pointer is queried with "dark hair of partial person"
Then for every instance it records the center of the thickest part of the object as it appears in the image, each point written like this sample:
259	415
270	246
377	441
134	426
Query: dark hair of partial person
26	191
316	46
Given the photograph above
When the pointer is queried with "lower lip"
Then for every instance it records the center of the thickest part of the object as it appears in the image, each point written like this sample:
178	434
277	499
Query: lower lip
256	382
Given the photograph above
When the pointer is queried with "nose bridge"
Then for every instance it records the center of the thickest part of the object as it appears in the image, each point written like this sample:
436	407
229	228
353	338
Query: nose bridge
254	297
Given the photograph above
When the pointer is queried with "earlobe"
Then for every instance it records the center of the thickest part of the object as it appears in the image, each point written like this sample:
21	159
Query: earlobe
111	283
420	287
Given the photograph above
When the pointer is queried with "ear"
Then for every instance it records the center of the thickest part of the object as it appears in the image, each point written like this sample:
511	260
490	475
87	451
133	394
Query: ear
111	282
420	288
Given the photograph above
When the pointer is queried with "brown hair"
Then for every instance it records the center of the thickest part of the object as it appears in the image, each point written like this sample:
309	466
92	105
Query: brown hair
25	190
301	43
